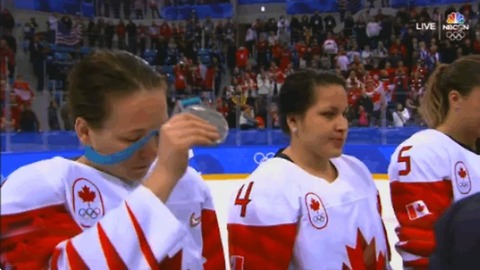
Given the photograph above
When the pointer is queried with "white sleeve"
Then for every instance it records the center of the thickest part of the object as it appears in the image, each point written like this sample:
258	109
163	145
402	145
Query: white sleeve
139	233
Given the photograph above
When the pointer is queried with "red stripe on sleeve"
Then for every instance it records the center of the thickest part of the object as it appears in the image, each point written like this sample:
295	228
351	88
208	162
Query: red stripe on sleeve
30	237
144	246
262	247
420	264
417	234
74	260
54	260
212	241
174	263
114	260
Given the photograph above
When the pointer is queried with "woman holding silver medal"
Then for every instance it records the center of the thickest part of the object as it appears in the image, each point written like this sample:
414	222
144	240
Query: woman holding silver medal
151	209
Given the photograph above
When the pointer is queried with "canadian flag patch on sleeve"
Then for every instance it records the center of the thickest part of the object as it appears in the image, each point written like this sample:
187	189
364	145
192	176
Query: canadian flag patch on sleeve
417	209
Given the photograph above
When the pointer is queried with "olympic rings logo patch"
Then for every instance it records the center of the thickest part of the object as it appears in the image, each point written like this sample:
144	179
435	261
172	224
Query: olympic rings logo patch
462	178
89	212
260	157
87	202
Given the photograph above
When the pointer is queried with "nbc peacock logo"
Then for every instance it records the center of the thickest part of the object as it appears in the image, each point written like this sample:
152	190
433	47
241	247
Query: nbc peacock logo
455	18
456	27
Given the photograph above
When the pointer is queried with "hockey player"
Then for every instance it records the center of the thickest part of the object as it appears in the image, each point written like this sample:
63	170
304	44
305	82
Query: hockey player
309	207
95	212
440	165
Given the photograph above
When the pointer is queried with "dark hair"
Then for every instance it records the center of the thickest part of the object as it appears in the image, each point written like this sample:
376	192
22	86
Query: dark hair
105	73
461	75
297	94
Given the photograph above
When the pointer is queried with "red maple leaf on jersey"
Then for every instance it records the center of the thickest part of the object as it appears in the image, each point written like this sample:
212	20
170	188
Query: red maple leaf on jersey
87	195
364	255
462	173
314	205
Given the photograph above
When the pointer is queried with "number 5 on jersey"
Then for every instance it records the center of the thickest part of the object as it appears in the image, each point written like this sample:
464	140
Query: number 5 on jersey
244	199
403	157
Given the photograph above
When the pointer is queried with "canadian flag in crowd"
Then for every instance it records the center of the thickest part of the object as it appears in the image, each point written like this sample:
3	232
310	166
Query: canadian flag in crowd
416	210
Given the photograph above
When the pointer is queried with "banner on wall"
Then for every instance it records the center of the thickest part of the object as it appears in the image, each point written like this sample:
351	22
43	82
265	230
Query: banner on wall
255	2
58	6
309	6
221	160
215	11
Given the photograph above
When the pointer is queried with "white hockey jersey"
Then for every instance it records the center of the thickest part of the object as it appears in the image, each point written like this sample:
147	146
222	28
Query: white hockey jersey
427	173
65	214
285	218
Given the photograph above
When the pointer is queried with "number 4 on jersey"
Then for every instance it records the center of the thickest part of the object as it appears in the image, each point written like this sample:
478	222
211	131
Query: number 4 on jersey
245	200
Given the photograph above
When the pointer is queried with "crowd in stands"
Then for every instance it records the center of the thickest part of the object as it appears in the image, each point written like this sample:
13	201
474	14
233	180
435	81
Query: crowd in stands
384	59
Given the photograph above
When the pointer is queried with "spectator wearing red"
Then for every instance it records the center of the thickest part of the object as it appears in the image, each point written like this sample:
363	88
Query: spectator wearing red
6	53
142	33
390	70
476	43
198	82
180	71
22	91
402	67
398	48
281	76
420	67
301	49
417	83
387	85
222	107
121	31
165	30
286	58
15	112
376	93
363	117
210	78
242	57
372	89
354	88
277	51
249	72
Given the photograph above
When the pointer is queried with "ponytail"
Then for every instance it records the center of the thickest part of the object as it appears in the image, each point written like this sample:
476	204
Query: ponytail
434	106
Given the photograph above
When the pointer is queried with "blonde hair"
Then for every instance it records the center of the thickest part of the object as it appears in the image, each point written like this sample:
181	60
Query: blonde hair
461	75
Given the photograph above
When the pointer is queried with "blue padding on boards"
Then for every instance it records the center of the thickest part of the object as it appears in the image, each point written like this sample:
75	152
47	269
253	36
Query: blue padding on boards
236	155
220	160
60	141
